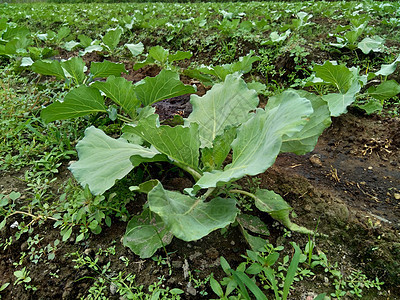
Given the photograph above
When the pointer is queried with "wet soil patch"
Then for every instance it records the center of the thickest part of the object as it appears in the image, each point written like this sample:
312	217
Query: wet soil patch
174	106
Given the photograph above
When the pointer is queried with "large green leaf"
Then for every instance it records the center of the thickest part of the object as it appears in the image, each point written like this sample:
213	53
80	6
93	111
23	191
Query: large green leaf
226	104
253	223
18	45
259	140
121	91
75	67
26	62
180	144
256	243
135	49
244	65
112	37
338	75
146	233
305	140
385	90
279	209
189	218
106	68
148	61
78	102
15	32
371	44
62	33
387	69
91	49
159	53
338	103
69	46
372	106
179	55
218	71
48	67
102	160
165	85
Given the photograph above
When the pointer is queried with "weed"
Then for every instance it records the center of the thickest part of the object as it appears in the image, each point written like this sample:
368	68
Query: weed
107	282
3	287
23	278
226	53
280	275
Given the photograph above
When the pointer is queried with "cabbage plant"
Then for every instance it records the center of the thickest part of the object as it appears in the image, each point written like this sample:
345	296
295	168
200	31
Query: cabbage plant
225	120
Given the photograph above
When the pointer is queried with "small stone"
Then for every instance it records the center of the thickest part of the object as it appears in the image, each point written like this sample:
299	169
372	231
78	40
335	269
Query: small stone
316	161
177	264
191	290
113	288
24	246
71	162
194	255
326	281
370	168
185	269
88	252
14	225
396	196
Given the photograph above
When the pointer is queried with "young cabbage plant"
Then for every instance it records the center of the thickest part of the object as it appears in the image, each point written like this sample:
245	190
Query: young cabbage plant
225	120
348	82
162	57
84	100
73	70
209	75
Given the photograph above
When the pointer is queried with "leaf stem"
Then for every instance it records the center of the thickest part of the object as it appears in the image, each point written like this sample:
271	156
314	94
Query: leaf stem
235	191
196	175
208	193
124	119
31	215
